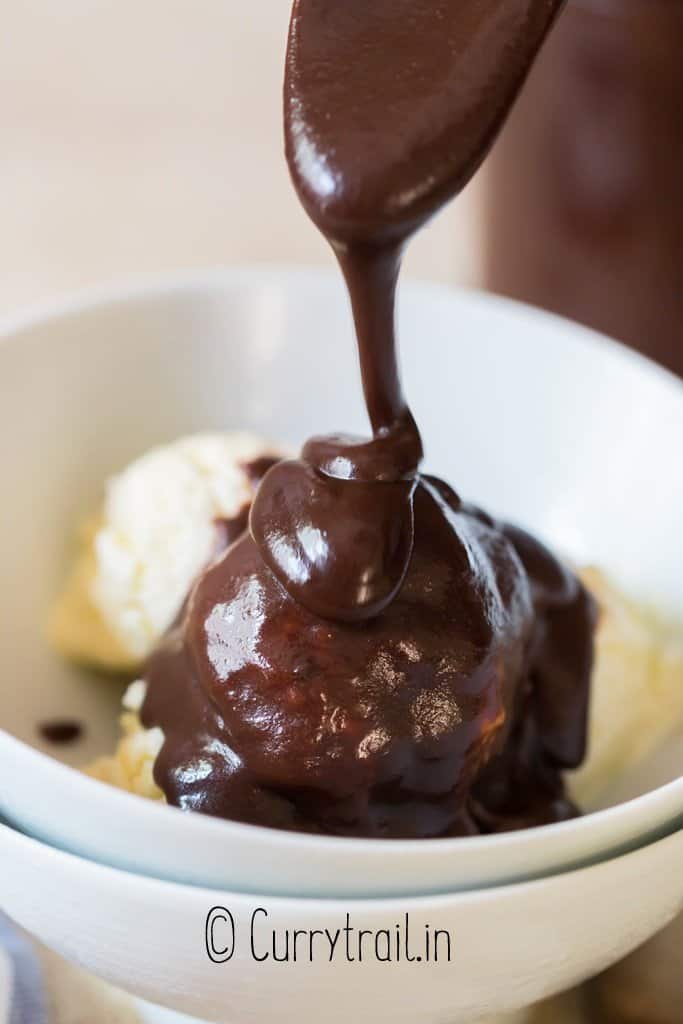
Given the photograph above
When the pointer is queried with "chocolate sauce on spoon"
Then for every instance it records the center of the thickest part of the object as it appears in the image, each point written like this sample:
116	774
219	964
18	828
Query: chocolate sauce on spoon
390	107
375	657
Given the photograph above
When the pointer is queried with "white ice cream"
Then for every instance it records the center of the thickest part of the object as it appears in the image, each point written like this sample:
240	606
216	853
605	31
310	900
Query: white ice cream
155	533
637	689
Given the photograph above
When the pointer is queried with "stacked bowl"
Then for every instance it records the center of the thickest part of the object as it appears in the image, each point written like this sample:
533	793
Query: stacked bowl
535	418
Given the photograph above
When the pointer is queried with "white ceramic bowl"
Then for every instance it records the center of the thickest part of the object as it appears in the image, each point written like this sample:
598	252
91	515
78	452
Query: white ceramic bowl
509	946
527	414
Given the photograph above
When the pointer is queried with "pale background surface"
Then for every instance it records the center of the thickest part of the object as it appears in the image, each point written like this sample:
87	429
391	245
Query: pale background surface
142	136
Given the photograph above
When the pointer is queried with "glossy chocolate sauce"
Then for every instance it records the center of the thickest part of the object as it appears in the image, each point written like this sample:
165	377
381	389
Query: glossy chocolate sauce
230	529
61	732
374	657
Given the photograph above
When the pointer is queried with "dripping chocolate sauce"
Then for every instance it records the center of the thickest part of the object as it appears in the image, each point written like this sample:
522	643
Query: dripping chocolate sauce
373	656
229	529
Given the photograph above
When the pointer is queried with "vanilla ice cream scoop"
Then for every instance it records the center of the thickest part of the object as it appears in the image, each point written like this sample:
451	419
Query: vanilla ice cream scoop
156	531
637	690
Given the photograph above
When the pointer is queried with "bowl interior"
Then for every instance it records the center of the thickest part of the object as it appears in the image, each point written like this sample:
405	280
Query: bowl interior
530	416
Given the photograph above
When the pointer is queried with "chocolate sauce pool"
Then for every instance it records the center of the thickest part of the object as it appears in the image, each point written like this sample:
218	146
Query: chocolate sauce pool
374	657
61	731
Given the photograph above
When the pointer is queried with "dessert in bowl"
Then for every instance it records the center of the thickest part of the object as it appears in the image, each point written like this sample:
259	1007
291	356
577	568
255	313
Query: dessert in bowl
361	652
353	650
245	330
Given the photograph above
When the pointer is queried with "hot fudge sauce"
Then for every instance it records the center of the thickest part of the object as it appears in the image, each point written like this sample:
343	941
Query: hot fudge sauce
374	657
61	731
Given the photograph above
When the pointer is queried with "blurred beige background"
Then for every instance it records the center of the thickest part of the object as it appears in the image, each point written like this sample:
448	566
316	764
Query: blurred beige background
145	135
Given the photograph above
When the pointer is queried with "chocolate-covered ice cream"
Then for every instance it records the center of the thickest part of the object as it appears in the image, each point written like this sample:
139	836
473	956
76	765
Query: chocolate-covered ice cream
373	657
